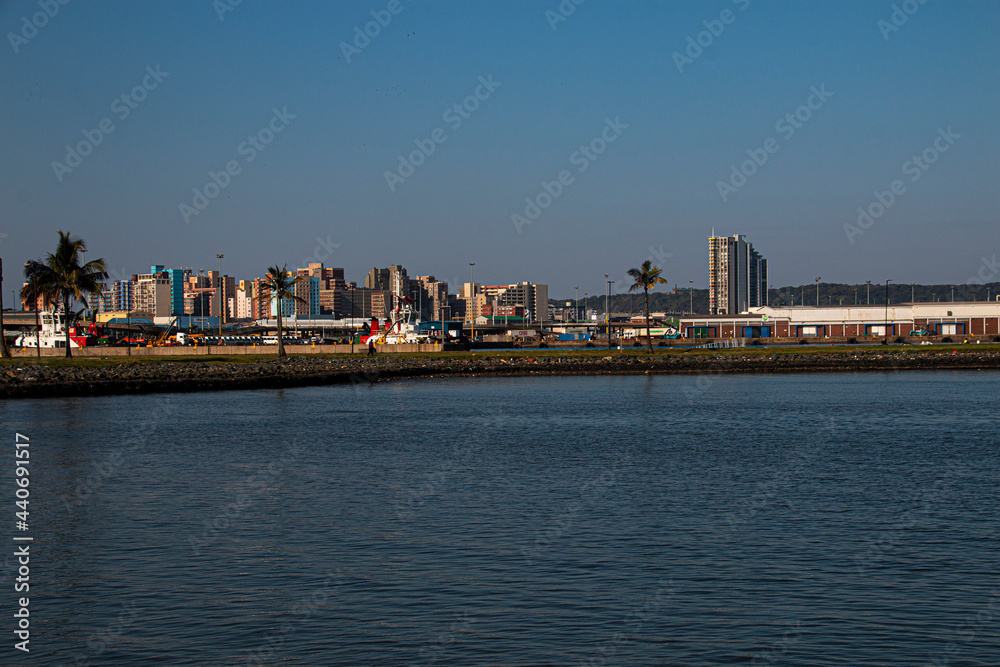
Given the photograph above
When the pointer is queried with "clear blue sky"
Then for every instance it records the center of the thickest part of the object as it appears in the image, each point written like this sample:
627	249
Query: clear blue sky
655	186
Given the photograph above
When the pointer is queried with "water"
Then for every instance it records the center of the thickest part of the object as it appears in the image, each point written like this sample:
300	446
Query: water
667	520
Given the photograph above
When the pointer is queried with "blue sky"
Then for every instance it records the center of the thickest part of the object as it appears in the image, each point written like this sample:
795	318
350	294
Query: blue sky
344	120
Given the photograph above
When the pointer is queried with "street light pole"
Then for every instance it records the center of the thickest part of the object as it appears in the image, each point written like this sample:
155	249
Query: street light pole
886	340
691	294
220	295
869	283
576	307
472	297
607	313
817	291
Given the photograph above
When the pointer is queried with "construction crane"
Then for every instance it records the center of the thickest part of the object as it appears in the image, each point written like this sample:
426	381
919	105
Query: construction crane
162	338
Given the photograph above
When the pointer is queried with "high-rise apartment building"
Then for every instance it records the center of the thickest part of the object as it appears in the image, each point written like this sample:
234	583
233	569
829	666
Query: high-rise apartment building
737	275
122	295
392	279
432	297
331	284
178	278
152	293
532	297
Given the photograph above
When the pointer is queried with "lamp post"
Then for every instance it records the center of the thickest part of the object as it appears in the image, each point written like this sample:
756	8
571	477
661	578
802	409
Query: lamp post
607	311
128	326
953	294
691	295
576	307
869	283
817	291
912	291
886	340
219	256
472	297
443	308
607	318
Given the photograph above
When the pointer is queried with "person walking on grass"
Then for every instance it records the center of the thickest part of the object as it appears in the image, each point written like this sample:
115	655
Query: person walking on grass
371	346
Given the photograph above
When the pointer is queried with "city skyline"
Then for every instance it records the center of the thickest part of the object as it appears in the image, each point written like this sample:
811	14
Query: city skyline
849	140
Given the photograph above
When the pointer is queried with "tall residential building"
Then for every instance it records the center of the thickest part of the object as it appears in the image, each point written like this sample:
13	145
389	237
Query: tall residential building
331	285
433	297
178	278
122	296
392	279
243	303
260	305
152	293
532	297
364	302
737	275
307	289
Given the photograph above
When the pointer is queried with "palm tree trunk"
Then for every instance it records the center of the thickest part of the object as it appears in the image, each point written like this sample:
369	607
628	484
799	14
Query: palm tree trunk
69	352
281	342
649	339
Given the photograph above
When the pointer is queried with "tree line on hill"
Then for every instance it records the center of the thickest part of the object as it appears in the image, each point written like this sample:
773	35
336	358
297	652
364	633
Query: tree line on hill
684	301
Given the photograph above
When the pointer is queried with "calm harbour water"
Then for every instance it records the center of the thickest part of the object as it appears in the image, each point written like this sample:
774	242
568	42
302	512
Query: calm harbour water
835	519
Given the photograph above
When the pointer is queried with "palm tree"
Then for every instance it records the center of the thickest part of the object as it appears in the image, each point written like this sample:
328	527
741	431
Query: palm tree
60	277
281	285
647	277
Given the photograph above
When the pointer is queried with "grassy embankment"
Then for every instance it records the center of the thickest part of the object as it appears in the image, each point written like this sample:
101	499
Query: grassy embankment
595	352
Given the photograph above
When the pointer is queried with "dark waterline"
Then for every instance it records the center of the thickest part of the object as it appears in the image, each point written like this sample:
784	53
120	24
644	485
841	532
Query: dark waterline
683	520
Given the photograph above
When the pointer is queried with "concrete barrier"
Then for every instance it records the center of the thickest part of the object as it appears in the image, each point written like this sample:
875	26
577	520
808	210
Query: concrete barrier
205	350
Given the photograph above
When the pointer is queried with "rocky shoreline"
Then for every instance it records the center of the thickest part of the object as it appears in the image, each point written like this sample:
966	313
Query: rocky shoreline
22	380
